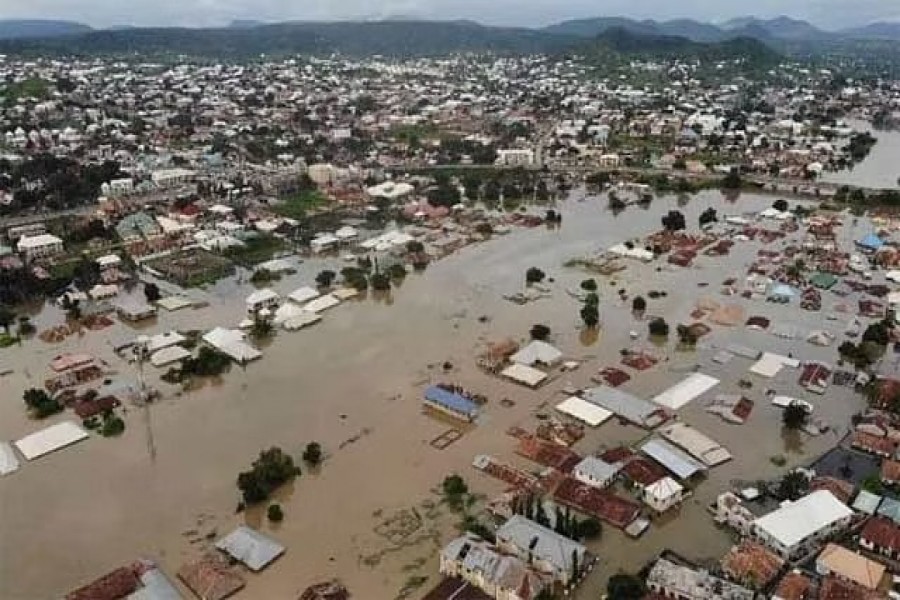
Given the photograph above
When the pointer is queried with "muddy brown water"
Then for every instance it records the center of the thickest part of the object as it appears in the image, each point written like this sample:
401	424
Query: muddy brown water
353	383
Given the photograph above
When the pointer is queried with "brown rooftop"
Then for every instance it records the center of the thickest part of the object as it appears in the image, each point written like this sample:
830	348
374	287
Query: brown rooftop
210	578
752	564
882	532
840	489
112	586
833	588
547	454
602	504
793	586
329	590
890	470
455	589
643	471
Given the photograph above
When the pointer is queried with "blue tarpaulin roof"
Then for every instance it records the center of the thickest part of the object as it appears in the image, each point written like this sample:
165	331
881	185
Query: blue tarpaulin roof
451	401
871	241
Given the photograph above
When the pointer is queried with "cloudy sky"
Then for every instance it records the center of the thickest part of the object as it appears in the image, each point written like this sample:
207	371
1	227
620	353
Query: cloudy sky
104	13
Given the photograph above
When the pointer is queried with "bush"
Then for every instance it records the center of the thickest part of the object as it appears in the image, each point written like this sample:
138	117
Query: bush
638	305
589	529
674	221
264	276
312	455
659	327
397	271
272	469
794	416
540	332
40	404
112	426
355	278
415	247
534	275
325	278
380	282
780	205
275	514
708	216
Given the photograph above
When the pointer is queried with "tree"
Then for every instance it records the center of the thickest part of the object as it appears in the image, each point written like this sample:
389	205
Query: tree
708	216
540	332
674	221
272	469
794	416
325	278
274	513
113	425
26	327
679	164
151	293
623	586
534	275
40	404
262	327
879	333
397	272
7	316
588	529
686	335
780	205
575	566
589	285
380	282
732	181
658	327
415	247
454	485
638	305
793	486
590	315
312	455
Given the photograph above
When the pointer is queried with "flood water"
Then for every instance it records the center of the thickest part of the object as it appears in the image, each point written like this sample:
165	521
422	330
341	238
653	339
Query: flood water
880	169
353	383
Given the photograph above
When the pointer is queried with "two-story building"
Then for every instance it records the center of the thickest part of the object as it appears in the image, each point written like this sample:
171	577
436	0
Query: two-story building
796	528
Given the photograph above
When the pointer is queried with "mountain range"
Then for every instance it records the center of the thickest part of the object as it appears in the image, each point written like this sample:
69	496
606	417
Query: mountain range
687	37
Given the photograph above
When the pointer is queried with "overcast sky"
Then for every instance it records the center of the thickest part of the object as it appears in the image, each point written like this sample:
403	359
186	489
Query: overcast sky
104	13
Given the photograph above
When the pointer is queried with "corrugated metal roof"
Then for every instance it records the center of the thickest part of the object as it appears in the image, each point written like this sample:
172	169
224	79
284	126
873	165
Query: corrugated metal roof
673	459
250	547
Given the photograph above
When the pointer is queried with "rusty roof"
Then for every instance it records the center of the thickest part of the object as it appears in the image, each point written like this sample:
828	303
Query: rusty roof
112	586
890	470
210	578
752	564
833	588
793	586
882	532
602	504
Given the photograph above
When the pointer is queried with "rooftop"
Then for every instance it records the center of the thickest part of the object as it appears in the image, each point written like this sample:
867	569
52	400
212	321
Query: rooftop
795	522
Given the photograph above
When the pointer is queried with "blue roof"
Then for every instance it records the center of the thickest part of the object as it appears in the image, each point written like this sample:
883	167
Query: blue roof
454	402
783	289
871	241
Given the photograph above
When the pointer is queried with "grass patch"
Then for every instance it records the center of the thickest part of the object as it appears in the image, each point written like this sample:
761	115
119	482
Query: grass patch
256	250
297	205
34	87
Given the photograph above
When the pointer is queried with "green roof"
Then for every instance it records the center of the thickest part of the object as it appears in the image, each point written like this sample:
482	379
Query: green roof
823	280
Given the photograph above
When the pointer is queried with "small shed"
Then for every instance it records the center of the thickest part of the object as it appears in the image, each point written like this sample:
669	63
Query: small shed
254	549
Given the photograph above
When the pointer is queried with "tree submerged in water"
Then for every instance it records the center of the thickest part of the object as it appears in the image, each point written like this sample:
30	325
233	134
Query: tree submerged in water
272	469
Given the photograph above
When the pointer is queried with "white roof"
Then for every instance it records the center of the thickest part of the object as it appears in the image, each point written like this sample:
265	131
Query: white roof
696	443
321	303
345	293
304	319
303	294
686	390
346	232
285	312
770	364
8	461
536	352
37	241
109	260
168	355
635	252
231	342
171	303
596	469
325	239
664	489
584	411
262	296
164	340
524	374
798	520
50	439
250	547
389	190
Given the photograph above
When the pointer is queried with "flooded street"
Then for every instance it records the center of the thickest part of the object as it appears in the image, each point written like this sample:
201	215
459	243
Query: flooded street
353	383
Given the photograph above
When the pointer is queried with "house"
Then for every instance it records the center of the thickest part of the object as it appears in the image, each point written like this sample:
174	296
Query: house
881	535
537	353
873	444
752	564
39	246
548	551
815	377
796	527
265	298
849	566
890	471
793	586
596	472
663	494
515	157
834	588
499	576
254	549
327	590
672	580
451	403
133	310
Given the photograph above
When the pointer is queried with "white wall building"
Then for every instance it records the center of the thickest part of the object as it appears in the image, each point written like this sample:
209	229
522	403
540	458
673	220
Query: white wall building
515	157
797	527
39	246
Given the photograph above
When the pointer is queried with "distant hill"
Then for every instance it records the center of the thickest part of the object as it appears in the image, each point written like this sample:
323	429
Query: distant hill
694	30
245	24
874	31
12	29
392	38
662	47
784	28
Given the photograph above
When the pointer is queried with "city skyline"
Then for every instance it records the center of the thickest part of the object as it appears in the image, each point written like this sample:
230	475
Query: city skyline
827	14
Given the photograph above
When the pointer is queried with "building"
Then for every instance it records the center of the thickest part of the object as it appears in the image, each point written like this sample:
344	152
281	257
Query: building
797	527
39	246
751	564
260	299
389	190
847	565
167	178
450	403
500	576
672	580
327	590
254	549
515	157
548	551
881	535
596	472
663	494
793	586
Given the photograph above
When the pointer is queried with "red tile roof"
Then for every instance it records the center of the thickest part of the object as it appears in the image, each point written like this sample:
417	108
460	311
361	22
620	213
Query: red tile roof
112	586
643	471
752	564
890	470
872	443
547	454
882	532
602	504
840	489
833	588
793	586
